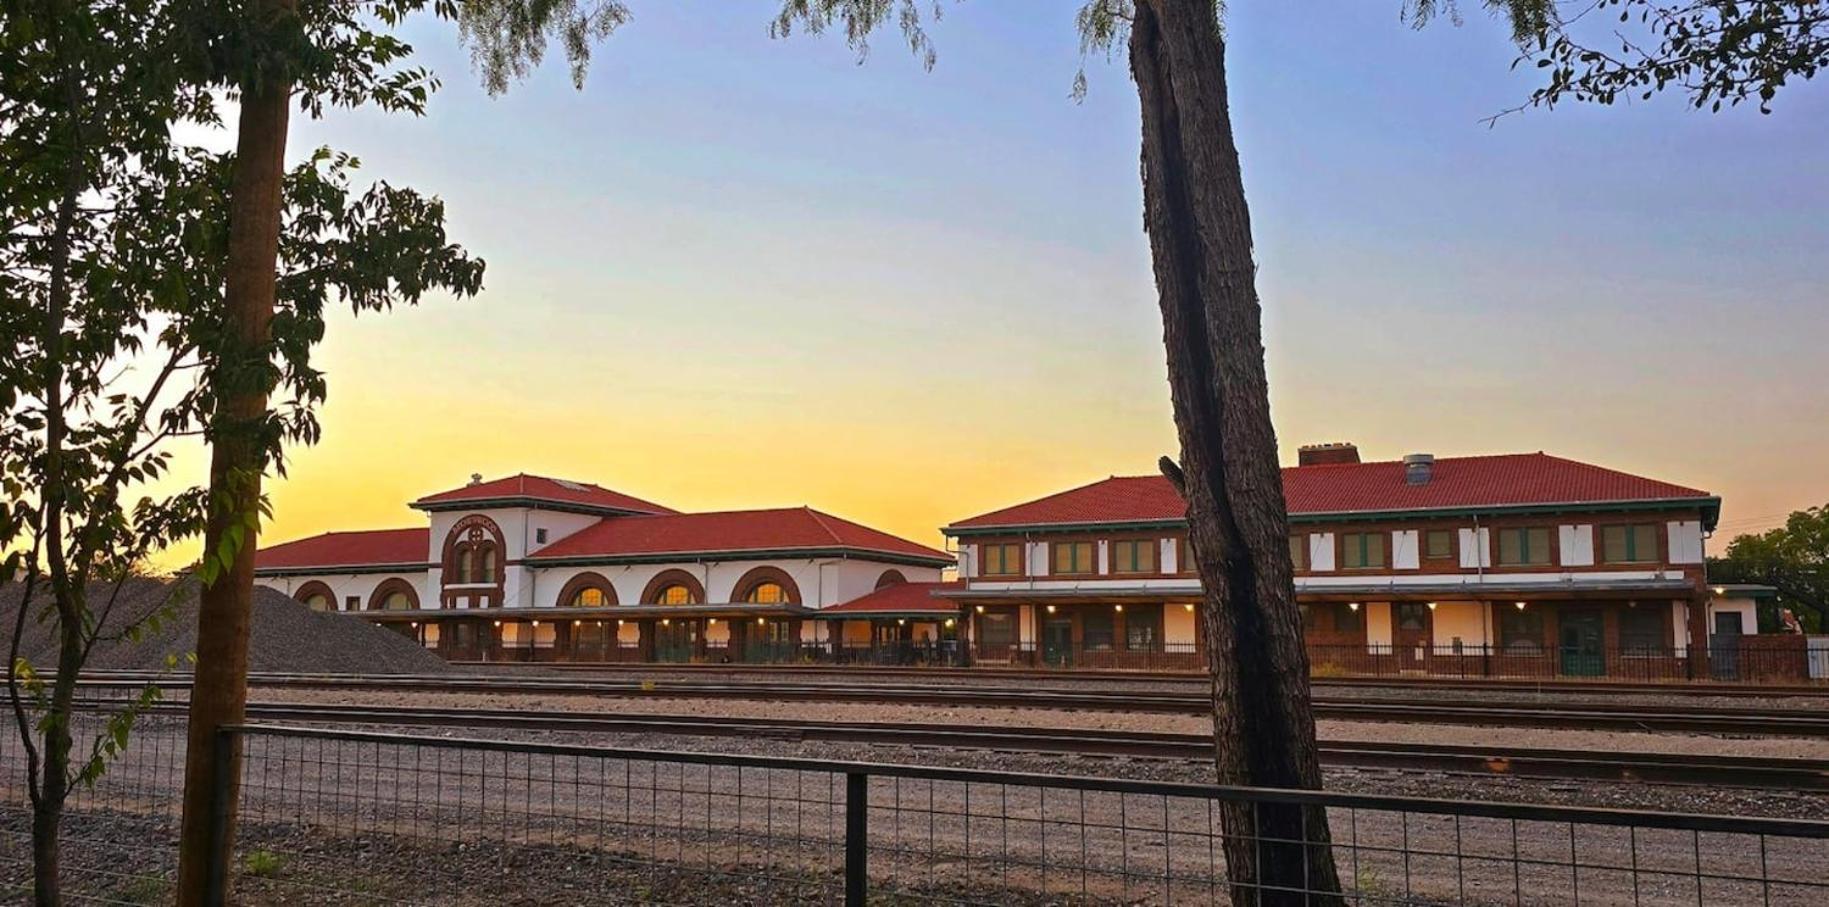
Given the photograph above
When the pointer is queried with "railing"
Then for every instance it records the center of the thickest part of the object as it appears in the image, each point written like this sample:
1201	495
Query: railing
1159	657
330	816
1765	659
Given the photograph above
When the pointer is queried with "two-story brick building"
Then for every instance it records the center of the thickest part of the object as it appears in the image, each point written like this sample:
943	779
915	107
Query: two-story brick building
1515	564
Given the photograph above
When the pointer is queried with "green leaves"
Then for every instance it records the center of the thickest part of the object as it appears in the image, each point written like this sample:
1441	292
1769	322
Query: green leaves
1713	52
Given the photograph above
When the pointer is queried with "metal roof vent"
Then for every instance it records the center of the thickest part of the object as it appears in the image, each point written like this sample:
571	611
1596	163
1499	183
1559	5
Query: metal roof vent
1419	468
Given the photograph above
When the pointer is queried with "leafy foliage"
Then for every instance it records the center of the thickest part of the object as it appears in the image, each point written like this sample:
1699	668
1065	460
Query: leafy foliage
1713	52
1793	557
112	269
508	38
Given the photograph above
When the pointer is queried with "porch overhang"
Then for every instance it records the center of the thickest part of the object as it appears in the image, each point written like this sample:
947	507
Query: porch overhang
725	611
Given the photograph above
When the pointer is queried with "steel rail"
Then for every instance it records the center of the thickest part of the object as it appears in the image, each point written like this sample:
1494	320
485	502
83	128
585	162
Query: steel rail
1582	716
1544	684
1526	762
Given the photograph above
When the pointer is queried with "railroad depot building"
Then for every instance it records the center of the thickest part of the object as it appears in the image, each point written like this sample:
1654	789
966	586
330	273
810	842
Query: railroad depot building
1522	564
534	568
1508	565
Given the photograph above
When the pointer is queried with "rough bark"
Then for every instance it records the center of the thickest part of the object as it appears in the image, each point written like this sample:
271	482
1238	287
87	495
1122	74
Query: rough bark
1200	238
237	460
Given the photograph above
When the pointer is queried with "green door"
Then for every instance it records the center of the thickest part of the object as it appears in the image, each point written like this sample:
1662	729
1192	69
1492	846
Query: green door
1057	641
673	642
1581	643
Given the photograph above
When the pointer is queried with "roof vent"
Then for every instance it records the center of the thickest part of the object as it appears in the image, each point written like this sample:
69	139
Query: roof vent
1419	468
1330	454
476	478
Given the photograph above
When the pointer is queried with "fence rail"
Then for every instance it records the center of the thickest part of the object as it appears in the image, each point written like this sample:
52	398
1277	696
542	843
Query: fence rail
343	816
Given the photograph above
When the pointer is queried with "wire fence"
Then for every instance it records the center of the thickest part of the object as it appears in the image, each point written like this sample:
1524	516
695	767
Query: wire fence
352	817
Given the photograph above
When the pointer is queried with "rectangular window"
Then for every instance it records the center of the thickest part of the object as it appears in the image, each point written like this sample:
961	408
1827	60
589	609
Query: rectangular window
1133	556
1348	619
1184	556
1641	632
1635	544
1521	631
352	603
1362	550
1311	618
1096	630
539	536
1438	544
1527	547
1004	559
1143	628
1413	616
1073	557
1298	552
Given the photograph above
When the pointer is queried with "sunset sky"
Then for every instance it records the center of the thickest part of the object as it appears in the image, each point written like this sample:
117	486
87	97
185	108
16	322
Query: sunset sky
739	272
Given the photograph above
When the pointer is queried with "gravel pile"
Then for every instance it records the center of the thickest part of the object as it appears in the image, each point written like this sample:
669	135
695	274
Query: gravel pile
285	636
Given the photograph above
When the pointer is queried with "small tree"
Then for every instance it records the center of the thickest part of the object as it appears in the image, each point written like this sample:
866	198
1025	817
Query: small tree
111	292
273	53
1794	558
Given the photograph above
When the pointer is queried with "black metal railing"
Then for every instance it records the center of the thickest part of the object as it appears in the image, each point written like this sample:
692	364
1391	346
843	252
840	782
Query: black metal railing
333	816
1117	655
416	819
1761	659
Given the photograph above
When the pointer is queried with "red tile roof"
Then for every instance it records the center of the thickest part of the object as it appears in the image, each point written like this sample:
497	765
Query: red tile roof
901	598
348	549
737	530
540	488
1502	480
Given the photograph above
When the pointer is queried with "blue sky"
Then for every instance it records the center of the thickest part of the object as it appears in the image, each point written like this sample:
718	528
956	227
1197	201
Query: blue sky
736	271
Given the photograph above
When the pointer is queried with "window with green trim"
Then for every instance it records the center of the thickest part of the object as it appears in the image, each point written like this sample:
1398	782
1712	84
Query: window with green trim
1438	544
1634	544
1133	556
1073	557
1525	547
1002	559
1361	550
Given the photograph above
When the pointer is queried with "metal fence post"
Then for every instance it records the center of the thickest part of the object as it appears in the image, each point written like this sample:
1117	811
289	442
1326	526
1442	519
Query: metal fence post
216	890
857	837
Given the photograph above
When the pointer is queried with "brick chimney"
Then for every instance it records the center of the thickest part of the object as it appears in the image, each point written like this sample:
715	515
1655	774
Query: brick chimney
1329	454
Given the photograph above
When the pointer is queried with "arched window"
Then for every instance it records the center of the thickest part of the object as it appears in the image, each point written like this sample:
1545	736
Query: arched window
393	594
589	597
488	573
466	564
675	594
316	596
766	586
890	578
766	593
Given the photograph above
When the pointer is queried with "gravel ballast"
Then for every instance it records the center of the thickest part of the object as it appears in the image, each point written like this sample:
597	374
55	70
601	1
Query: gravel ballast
285	636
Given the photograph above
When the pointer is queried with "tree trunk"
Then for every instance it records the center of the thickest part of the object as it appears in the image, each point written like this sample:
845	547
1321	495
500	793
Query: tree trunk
219	690
1200	239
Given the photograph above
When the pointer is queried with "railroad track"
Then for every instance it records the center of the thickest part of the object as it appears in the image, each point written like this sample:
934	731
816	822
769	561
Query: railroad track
1569	716
1546	684
1524	762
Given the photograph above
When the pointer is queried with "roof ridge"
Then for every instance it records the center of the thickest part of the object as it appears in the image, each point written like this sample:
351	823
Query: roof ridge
820	518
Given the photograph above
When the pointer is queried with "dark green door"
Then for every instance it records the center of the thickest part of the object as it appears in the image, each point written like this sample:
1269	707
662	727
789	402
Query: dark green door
673	642
1057	641
1581	638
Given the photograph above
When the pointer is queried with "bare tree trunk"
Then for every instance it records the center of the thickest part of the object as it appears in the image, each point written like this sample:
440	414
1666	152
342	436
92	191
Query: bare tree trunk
1200	238
219	692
